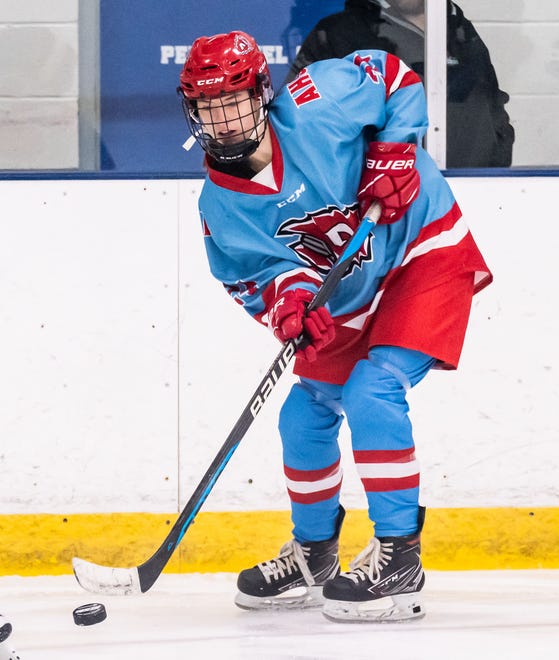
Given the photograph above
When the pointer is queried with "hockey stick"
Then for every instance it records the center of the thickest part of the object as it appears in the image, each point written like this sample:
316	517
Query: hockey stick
135	580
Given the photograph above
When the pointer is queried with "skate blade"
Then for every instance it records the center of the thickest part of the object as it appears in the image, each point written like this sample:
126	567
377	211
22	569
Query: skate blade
295	599
401	608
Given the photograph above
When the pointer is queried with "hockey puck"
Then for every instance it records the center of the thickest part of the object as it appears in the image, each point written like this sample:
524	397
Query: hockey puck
87	615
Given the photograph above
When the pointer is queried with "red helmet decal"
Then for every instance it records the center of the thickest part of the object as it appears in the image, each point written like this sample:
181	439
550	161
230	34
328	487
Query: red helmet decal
242	44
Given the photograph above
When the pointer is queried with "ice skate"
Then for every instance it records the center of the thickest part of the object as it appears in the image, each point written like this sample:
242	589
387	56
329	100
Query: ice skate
382	585
294	579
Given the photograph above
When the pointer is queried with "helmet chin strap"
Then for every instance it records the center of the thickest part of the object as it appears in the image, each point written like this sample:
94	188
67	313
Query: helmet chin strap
190	142
226	153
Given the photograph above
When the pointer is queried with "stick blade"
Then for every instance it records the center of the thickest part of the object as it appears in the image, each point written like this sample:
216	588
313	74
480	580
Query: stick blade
105	579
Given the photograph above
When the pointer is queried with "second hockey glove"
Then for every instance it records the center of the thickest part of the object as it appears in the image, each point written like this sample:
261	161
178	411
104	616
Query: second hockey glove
389	177
289	318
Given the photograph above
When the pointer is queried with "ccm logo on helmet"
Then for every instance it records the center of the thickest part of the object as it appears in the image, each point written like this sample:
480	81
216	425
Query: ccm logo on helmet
210	81
377	164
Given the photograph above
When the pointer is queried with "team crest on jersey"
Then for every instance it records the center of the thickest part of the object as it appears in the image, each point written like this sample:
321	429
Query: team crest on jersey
320	237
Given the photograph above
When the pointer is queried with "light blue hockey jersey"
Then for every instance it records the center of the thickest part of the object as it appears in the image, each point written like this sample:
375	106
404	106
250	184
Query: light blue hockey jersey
263	239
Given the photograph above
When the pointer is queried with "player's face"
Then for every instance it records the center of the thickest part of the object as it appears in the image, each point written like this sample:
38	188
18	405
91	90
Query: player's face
228	118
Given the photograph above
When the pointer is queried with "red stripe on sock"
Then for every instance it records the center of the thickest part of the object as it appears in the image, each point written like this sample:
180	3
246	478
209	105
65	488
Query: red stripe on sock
311	475
312	498
388	484
384	455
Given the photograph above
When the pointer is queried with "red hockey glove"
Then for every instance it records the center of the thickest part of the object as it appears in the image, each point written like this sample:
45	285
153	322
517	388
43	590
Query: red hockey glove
289	318
389	177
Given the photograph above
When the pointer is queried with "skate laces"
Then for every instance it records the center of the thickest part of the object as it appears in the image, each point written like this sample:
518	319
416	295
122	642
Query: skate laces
370	562
290	559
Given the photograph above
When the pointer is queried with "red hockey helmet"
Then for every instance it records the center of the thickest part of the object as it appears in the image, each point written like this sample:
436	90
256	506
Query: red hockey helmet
221	64
224	65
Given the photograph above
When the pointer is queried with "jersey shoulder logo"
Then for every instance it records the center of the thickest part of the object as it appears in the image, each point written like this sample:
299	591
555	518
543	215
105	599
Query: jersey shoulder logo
370	69
302	89
320	237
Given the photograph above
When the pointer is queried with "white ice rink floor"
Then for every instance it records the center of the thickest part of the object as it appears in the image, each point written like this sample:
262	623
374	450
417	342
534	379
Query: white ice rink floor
473	615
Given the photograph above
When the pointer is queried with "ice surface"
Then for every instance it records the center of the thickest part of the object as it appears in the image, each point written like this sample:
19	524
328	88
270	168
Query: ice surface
470	615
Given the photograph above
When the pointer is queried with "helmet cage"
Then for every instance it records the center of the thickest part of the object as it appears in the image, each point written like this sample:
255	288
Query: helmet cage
252	122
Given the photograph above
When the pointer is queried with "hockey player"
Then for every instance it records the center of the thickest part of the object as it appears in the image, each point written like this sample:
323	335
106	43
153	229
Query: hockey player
288	180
